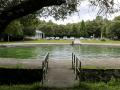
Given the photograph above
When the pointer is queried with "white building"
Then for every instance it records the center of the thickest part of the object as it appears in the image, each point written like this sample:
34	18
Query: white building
38	35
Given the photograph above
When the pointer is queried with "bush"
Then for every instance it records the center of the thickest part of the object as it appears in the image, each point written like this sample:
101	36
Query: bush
103	39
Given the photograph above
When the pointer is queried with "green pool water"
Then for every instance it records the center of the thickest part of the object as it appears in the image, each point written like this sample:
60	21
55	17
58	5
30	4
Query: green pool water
60	52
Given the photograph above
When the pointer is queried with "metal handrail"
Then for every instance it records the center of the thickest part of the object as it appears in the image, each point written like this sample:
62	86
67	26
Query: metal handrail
76	66
45	67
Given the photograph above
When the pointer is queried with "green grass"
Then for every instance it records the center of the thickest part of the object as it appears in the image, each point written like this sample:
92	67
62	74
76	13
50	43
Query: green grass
17	66
48	41
95	67
40	41
100	86
112	85
35	86
91	67
99	41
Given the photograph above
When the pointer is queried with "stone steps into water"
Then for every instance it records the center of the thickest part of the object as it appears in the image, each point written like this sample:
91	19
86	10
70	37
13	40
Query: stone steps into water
60	75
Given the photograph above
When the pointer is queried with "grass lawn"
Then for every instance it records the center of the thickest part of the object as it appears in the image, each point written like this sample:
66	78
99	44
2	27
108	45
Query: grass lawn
112	85
48	41
40	41
99	41
17	66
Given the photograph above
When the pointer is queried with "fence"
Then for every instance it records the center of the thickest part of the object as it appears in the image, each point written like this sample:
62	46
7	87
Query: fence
76	66
45	67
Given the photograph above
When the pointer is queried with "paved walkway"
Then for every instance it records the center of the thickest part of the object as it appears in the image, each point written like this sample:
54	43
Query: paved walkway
60	75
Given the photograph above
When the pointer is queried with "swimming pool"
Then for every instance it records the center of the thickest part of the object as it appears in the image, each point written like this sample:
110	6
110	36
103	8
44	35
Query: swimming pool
60	52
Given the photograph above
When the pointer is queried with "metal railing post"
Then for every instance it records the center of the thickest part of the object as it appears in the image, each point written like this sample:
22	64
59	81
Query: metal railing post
45	67
76	65
80	65
72	60
42	71
76	68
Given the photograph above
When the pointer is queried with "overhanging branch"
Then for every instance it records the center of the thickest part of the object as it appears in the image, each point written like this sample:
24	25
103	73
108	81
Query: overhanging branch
23	9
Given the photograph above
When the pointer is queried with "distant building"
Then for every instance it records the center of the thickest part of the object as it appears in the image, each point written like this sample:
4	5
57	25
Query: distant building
38	35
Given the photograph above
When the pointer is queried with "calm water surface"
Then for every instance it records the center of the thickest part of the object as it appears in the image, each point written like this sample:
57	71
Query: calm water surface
60	52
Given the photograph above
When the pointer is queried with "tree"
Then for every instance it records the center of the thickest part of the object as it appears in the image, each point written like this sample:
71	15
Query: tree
30	24
14	30
29	31
83	32
99	21
22	8
13	9
114	29
29	21
104	27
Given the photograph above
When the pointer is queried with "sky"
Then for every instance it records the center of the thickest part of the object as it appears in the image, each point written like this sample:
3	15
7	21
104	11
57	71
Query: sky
85	13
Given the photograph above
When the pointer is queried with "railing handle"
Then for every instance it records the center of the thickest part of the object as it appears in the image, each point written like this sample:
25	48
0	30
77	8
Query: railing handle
45	67
76	65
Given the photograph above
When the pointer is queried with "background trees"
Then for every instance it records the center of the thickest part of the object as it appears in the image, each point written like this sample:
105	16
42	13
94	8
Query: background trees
99	28
113	31
13	9
14	31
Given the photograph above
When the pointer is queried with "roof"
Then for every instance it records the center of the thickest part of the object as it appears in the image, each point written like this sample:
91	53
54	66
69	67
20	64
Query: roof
38	31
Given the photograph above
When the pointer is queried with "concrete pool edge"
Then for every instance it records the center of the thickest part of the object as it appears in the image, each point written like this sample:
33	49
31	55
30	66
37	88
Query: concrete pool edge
32	44
100	44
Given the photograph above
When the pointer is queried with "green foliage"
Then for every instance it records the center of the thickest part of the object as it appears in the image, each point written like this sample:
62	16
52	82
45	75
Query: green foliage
114	29
99	28
29	31
82	86
29	21
14	28
103	39
83	31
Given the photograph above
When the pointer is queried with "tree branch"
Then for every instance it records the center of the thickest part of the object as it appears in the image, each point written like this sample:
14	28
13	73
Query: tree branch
25	8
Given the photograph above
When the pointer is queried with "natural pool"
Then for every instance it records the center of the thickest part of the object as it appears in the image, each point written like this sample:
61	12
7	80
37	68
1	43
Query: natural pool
60	52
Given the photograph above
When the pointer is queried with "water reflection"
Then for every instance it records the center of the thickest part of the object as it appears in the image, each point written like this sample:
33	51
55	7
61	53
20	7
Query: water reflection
59	52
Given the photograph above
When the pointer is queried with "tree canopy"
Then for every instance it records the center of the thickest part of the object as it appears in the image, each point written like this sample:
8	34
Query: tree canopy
12	9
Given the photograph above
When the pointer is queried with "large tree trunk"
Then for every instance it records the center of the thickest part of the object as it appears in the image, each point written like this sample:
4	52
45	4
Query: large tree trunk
23	9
